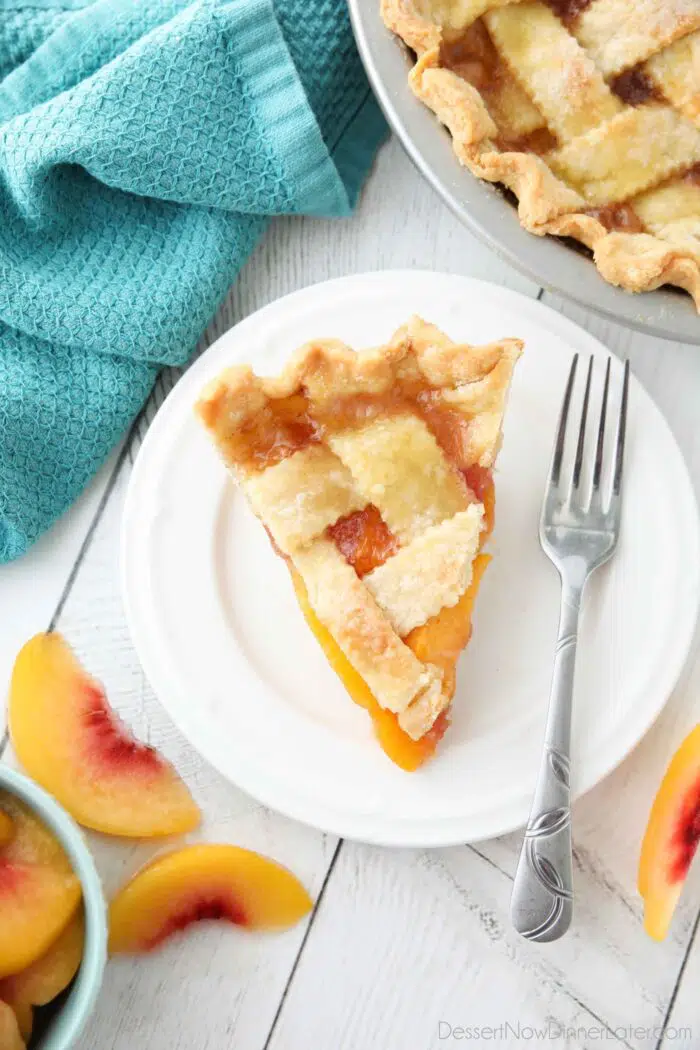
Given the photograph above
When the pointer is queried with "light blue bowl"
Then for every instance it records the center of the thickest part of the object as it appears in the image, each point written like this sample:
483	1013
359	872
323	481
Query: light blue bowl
65	1027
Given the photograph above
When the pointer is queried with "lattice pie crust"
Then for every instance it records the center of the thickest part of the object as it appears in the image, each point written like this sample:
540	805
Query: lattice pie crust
588	110
339	431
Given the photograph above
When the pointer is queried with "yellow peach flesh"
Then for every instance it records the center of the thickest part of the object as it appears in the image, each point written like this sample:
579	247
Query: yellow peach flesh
67	738
10	1038
46	978
671	837
38	890
6	828
203	882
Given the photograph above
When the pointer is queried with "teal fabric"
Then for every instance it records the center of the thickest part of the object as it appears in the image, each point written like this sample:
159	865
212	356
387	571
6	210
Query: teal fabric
144	145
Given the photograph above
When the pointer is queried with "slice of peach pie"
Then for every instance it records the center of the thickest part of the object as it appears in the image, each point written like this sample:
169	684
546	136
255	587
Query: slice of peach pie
371	472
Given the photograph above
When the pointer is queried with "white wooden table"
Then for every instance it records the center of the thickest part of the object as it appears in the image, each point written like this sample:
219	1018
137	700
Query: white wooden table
404	947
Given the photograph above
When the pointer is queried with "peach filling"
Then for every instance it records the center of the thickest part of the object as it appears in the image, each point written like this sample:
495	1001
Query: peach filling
363	539
618	217
277	431
287	425
692	175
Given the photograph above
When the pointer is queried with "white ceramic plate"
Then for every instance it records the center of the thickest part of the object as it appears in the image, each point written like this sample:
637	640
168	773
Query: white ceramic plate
220	636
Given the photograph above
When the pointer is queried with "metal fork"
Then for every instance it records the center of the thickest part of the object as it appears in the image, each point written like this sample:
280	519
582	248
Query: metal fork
578	532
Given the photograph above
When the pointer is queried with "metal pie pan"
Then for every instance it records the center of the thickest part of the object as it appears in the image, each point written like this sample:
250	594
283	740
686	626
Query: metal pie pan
485	210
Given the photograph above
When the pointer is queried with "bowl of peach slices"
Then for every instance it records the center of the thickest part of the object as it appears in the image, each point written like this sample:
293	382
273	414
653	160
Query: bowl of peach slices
87	769
53	920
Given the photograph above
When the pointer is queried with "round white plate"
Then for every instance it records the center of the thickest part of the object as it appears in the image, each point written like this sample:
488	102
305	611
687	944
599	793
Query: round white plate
217	628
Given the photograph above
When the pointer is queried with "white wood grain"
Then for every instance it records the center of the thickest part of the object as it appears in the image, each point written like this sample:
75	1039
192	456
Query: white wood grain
408	943
402	939
683	1022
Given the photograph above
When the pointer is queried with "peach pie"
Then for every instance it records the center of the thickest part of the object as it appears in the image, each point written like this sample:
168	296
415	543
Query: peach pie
587	110
371	472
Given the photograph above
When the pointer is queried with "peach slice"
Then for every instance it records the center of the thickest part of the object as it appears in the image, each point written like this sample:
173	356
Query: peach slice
24	1015
38	890
203	882
47	977
7	828
671	837
10	1039
68	739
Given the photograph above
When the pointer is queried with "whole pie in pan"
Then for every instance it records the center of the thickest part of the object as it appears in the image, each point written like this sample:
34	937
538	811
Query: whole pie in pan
372	473
587	110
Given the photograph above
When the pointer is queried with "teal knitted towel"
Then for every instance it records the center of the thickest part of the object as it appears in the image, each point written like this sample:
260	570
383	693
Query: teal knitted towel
143	146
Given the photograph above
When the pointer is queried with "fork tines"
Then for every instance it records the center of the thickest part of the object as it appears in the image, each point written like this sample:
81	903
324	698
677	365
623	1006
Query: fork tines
558	455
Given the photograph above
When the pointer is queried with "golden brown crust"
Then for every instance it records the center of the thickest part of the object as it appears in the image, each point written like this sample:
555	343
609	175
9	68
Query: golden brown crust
429	574
402	17
546	203
326	369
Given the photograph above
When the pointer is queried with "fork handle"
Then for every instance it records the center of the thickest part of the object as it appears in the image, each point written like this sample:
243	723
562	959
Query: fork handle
542	900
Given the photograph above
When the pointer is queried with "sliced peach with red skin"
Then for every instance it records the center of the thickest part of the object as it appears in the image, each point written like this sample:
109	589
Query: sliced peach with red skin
69	740
10	1038
203	882
46	978
671	837
7	828
38	890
